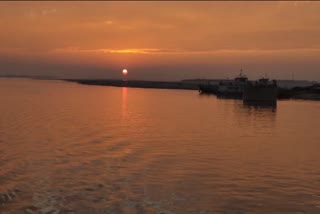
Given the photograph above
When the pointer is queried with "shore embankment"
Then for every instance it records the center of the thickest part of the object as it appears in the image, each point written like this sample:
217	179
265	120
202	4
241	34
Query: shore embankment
139	83
286	89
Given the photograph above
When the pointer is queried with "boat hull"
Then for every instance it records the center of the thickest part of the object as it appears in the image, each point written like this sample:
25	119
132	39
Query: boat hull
260	94
208	89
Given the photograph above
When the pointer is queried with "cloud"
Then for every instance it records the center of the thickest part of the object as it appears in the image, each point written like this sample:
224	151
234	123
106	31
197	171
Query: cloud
183	51
36	13
48	11
108	22
31	14
293	3
116	51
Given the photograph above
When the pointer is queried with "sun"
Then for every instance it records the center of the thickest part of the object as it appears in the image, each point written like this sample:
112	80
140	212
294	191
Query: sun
124	71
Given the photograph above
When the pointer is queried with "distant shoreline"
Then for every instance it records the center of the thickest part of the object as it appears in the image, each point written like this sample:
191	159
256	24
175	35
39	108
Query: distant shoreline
122	83
300	90
295	89
190	84
138	84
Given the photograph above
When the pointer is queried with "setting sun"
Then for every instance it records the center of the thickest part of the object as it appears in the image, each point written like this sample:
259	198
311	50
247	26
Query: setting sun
124	71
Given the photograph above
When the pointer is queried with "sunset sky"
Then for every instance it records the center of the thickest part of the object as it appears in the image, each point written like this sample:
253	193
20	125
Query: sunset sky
161	40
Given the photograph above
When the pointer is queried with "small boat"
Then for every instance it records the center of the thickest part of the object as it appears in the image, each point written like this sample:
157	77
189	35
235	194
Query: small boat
260	91
232	88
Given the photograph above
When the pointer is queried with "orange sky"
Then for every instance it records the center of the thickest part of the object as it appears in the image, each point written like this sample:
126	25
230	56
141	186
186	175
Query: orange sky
161	40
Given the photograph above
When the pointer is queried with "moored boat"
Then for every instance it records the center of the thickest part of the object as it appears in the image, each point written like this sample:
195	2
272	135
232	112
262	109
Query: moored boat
208	88
232	88
260	91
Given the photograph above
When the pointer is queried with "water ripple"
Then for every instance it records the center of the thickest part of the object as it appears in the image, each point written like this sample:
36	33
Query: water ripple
69	148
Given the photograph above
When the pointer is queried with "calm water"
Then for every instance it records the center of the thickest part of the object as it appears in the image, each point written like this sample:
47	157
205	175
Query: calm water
70	148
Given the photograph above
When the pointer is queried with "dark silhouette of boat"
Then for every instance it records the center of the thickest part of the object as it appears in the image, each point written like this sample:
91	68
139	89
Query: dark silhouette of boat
227	88
208	88
260	91
232	88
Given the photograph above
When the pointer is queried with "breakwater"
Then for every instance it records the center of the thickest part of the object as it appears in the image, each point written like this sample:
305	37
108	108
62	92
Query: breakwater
139	84
295	91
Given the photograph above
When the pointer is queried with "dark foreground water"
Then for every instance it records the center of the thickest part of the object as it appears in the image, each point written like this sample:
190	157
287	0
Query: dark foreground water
70	148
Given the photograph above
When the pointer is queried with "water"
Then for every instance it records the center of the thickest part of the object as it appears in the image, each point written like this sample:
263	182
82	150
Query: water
70	148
